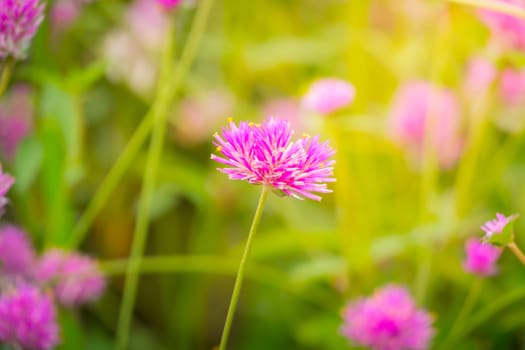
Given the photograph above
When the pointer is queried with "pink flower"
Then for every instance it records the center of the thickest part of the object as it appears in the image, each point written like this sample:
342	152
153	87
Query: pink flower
512	86
497	225
481	258
328	95
480	74
19	21
16	115
64	13
264	154
507	29
6	181
16	252
169	4
417	103
76	279
388	320
27	319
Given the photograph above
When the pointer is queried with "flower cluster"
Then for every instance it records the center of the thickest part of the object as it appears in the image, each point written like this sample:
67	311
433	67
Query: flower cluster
388	320
265	154
19	21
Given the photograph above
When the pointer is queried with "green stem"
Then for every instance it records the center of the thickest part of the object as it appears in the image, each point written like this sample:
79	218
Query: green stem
497	6
160	111
109	183
240	274
7	70
469	303
517	252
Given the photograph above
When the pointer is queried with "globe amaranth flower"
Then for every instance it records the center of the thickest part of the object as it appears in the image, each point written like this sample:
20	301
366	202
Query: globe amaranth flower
481	258
418	103
388	320
16	253
19	21
75	279
27	319
497	225
169	4
328	95
6	181
506	29
265	154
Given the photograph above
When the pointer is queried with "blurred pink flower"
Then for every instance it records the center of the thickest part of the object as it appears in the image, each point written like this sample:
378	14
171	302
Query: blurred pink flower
6	181
480	74
497	225
28	319
76	279
17	257
287	109
265	154
169	4
388	320
63	13
418	102
202	114
481	258
328	95
512	86
16	114
506	29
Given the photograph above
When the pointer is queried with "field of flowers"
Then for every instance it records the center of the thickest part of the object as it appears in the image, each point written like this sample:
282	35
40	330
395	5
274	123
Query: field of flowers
254	175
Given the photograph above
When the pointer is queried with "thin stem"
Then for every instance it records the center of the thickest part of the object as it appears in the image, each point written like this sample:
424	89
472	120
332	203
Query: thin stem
240	274
109	183
469	303
517	252
148	187
7	70
498	6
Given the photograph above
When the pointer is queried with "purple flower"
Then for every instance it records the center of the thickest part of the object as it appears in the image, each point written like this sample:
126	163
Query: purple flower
75	279
415	104
481	258
6	181
16	252
27	319
388	320
497	225
19	20
169	4
506	29
264	154
328	95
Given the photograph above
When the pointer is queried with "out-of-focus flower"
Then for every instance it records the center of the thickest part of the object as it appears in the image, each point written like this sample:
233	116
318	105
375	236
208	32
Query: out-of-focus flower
388	320
132	51
506	29
264	154
202	114
6	181
328	95
27	319
287	109
76	279
169	4
16	114
512	87
481	258
415	104
19	21
497	225
480	74
16	252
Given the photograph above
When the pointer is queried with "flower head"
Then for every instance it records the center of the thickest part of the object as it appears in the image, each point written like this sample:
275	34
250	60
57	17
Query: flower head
481	258
169	4
16	252
505	28
6	181
264	154
19	21
497	225
417	103
75	279
27	319
388	320
328	95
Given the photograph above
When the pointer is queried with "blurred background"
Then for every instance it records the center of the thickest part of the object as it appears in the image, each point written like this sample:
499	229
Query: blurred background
430	148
